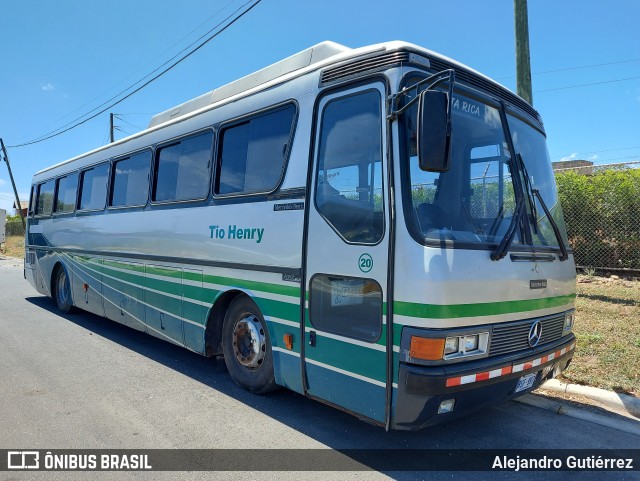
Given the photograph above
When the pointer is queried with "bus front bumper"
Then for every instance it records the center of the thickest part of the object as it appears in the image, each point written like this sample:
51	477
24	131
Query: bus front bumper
473	385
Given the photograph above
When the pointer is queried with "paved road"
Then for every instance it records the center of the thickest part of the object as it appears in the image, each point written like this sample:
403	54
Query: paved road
81	381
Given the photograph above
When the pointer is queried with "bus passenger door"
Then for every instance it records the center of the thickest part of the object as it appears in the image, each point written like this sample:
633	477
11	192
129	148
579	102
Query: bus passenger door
345	354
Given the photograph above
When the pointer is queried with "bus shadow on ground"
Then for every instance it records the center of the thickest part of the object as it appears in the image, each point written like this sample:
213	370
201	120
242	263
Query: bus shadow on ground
510	425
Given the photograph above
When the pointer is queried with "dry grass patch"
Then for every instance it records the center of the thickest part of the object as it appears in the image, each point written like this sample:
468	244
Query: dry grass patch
608	332
14	246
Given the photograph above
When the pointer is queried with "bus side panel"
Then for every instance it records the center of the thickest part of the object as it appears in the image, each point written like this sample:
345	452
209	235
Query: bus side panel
163	314
194	309
86	282
123	294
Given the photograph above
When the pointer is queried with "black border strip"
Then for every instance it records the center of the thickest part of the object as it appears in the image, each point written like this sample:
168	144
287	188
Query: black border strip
175	260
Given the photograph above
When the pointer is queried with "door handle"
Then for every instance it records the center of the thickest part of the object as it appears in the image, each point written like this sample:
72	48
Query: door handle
312	338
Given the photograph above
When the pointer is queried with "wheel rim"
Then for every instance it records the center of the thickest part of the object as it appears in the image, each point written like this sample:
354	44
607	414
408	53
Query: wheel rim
249	342
63	288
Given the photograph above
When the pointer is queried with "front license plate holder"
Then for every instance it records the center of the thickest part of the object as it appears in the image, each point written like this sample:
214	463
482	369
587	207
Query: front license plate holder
526	382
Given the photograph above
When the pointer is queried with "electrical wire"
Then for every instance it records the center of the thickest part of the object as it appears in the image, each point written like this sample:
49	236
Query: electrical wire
586	85
118	116
598	151
575	68
79	122
157	68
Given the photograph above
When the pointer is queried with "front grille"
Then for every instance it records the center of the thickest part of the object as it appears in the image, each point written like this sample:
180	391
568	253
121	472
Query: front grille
464	75
370	64
514	336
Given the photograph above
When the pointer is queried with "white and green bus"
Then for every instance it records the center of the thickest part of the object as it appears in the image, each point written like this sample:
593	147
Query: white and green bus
376	228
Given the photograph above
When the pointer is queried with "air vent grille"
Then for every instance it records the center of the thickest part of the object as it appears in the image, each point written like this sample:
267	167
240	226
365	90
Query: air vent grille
370	64
465	76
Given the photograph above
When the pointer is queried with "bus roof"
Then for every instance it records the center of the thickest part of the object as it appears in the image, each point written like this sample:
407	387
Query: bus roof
321	55
300	60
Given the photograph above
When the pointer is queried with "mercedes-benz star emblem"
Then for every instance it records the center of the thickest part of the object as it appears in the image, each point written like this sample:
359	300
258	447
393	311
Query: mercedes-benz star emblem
535	333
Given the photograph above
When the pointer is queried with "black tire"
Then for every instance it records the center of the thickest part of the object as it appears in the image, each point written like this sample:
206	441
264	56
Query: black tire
62	291
247	347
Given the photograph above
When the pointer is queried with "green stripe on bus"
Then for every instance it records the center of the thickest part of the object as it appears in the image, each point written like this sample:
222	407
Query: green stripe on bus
254	285
350	357
225	281
446	311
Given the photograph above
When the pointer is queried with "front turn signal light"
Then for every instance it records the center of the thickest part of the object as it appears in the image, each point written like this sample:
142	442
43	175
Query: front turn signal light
426	348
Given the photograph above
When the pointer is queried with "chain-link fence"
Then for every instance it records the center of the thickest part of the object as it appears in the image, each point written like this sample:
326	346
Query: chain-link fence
601	205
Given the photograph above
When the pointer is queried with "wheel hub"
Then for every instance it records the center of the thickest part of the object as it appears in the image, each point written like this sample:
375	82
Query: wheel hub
249	342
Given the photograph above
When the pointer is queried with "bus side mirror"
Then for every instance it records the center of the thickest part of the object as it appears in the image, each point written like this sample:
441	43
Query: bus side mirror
434	131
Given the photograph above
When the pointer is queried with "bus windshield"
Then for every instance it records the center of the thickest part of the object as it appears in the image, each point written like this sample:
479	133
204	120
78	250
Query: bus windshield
475	200
531	145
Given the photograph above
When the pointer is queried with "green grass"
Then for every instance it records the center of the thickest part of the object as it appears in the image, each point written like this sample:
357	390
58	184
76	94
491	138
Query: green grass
607	327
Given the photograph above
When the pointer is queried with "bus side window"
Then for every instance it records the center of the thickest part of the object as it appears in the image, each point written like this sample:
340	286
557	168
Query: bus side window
349	180
32	200
45	198
67	187
183	169
93	188
253	153
130	180
347	306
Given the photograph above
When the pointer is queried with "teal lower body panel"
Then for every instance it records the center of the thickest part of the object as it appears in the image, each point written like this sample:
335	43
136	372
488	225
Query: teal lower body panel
360	397
287	370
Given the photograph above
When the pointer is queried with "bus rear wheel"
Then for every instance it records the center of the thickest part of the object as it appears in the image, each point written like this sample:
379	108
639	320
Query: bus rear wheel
62	291
247	347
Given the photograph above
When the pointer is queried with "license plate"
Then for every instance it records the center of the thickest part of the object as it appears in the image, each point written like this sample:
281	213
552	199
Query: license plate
525	382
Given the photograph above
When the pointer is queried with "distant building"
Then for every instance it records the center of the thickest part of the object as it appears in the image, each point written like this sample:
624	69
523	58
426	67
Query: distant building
579	166
24	205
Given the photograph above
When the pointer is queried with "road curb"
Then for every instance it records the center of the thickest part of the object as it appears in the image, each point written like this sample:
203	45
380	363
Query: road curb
629	426
610	399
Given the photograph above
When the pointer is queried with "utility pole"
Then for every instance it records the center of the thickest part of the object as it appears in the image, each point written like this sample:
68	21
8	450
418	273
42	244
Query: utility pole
111	127
15	191
523	60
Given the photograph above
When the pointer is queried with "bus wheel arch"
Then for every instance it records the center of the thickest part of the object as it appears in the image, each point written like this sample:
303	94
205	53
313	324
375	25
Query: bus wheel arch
215	321
61	288
246	346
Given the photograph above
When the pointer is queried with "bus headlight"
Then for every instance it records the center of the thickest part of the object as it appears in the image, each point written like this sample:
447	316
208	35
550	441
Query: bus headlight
471	343
466	345
450	345
568	322
431	347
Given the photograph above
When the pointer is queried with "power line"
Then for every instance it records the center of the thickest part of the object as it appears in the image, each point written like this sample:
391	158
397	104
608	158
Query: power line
118	116
599	151
132	74
576	68
588	85
78	122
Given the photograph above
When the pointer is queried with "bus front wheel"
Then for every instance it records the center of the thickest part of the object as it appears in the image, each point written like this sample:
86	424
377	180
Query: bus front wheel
63	291
247	347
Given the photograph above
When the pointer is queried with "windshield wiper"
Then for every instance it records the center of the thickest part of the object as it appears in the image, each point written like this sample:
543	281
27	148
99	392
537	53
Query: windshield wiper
507	240
529	190
564	255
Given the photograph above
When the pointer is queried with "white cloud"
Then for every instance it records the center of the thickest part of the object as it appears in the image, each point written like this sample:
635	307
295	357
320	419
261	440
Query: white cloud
48	87
593	158
569	157
2	182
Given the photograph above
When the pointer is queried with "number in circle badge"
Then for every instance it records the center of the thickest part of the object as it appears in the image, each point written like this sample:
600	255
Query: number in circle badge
365	263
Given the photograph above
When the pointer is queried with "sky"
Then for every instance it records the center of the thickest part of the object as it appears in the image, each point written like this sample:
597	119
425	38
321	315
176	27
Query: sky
61	59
